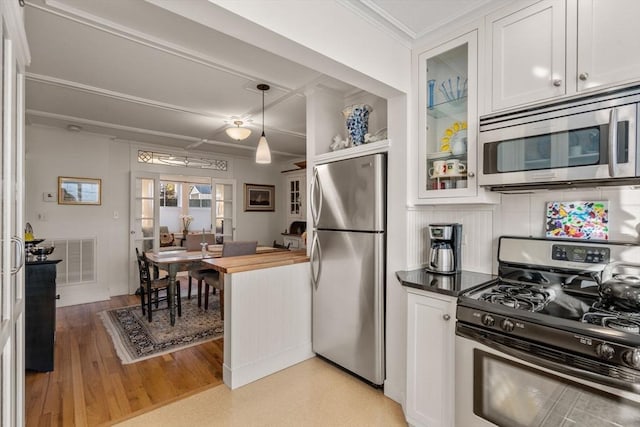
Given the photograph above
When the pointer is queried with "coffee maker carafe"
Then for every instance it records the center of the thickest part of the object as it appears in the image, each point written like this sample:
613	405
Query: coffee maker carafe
445	252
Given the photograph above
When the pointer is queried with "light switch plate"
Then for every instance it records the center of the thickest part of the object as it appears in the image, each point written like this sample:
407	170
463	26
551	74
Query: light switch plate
49	197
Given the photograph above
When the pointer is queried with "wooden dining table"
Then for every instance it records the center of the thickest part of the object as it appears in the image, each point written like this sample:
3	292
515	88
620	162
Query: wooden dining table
179	260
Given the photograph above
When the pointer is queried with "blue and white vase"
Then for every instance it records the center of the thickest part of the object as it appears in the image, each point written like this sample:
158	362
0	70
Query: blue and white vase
357	122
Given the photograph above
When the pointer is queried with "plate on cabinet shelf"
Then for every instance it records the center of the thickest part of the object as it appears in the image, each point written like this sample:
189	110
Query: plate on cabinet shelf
439	155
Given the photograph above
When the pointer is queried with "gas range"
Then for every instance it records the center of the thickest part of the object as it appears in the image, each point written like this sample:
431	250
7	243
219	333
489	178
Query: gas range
548	300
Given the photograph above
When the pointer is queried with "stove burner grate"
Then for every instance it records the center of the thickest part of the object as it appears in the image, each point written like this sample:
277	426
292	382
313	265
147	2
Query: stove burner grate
521	297
609	317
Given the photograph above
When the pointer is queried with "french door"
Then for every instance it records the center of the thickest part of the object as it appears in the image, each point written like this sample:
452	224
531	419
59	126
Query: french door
144	228
145	213
14	56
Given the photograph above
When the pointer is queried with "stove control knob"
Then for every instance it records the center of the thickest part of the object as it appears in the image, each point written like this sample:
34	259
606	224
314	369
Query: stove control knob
488	320
632	358
507	325
605	351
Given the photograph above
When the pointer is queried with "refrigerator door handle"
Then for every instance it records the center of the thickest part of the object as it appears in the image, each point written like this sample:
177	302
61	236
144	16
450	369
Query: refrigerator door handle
315	187
315	249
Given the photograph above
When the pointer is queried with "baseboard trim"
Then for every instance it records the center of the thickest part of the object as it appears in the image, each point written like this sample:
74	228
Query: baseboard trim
242	375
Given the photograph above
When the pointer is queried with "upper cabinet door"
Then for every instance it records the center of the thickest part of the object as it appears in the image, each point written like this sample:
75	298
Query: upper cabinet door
447	125
528	48
608	44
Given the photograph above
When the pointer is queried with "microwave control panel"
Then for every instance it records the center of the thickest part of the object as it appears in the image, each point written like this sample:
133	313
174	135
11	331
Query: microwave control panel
586	254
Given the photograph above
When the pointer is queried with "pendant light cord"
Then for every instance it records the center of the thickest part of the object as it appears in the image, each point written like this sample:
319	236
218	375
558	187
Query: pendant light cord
263	87
263	113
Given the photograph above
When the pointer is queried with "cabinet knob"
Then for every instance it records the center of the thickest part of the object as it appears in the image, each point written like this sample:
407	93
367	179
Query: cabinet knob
583	76
557	82
58	296
471	174
446	317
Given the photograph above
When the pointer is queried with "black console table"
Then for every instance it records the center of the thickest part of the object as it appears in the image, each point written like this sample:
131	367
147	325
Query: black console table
40	314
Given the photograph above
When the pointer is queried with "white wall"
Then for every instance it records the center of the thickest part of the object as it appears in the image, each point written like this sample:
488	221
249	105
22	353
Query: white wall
261	226
53	152
396	305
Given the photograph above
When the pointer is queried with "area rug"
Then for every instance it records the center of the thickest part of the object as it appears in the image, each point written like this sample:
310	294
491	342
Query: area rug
135	339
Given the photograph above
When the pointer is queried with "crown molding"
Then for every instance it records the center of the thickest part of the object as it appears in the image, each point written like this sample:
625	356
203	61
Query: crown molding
362	9
371	12
389	19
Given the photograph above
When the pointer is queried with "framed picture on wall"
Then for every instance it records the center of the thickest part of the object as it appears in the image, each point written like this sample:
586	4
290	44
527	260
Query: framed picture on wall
79	191
259	198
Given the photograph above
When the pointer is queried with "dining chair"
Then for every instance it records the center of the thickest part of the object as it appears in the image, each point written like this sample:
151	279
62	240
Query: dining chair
150	289
194	243
212	279
166	238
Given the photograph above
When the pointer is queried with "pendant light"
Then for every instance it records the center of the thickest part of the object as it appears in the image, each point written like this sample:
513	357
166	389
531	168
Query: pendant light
238	133
263	154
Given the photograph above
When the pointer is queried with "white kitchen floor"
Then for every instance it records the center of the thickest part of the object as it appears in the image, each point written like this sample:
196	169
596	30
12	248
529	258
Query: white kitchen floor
312	393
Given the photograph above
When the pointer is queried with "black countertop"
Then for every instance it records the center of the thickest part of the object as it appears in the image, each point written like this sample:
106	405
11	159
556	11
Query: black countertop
447	284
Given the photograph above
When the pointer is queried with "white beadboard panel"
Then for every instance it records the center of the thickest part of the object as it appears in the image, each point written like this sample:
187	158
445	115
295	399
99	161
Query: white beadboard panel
267	322
477	231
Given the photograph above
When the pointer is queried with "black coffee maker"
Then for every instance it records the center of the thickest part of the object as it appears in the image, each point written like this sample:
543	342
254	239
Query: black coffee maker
445	253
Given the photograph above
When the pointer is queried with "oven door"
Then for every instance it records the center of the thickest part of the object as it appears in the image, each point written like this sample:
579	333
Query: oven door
559	147
495	386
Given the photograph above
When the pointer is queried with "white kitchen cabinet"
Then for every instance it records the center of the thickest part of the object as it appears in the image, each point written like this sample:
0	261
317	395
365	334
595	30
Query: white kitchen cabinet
296	195
608	43
430	359
554	48
528	54
446	158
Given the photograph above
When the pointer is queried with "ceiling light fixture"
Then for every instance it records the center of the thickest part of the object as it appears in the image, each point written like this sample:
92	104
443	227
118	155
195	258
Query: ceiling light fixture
238	133
263	154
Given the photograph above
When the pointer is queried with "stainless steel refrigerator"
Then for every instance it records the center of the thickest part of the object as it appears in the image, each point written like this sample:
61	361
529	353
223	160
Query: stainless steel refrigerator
348	206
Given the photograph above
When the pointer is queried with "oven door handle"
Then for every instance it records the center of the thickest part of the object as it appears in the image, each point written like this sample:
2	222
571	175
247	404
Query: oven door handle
470	333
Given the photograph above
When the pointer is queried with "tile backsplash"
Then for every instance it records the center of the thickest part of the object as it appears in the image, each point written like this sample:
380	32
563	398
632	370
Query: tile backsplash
516	215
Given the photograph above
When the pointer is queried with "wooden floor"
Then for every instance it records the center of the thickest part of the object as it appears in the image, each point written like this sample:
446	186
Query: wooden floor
89	386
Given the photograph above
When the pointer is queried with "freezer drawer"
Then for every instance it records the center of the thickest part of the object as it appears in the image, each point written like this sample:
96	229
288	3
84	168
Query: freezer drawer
350	194
348	301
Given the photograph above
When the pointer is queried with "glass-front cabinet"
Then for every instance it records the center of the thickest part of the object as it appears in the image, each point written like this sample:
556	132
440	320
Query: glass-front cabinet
296	208
448	119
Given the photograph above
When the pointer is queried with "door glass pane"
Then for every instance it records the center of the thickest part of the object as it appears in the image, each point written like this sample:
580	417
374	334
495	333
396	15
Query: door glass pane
447	107
224	212
199	199
144	187
509	393
144	214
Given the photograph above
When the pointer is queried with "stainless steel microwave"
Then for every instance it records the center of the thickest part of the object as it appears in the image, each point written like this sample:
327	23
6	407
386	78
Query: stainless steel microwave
584	141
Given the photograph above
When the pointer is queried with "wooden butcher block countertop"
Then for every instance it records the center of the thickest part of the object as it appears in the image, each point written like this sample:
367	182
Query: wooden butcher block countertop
237	264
